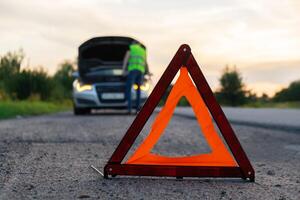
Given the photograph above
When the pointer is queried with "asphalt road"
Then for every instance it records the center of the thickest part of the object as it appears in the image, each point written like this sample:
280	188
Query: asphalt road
49	157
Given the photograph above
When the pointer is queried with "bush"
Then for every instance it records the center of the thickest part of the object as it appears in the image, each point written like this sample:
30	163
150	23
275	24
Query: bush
30	83
232	88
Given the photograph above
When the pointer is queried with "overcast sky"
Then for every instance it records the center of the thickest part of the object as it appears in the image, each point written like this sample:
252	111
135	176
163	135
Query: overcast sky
262	37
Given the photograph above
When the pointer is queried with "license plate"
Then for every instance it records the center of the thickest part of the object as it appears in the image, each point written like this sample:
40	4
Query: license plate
112	96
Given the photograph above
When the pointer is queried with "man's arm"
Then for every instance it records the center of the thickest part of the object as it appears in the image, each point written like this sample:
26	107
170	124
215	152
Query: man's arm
147	69
125	61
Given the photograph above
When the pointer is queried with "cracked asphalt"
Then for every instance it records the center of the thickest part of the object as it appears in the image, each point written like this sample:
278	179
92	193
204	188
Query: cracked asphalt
49	157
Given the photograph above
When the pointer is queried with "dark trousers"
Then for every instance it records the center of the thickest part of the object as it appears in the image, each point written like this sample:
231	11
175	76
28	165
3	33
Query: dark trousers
134	77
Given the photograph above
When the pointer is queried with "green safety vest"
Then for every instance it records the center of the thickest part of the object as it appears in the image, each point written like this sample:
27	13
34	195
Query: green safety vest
137	58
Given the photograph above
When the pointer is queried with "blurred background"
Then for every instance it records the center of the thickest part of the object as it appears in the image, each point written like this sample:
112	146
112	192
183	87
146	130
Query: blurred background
249	51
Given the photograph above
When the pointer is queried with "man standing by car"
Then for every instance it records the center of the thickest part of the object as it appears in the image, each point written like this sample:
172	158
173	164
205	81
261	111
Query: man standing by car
135	60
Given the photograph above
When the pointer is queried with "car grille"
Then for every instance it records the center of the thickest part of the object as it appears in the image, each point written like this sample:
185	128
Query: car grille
110	89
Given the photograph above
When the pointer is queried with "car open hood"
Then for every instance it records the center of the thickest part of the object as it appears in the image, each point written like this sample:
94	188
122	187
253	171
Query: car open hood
102	53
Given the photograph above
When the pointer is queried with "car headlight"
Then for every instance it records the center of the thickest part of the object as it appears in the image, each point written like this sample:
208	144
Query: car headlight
82	87
143	87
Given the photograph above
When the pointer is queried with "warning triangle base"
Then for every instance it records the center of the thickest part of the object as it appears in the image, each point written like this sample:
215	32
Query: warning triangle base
242	169
172	171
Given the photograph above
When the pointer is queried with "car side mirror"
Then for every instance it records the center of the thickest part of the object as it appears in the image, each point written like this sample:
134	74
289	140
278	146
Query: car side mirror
75	75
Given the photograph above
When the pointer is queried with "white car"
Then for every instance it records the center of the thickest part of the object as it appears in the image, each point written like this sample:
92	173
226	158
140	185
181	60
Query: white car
100	81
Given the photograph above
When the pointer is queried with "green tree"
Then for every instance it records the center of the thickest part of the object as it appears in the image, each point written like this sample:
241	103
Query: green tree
291	93
10	65
264	98
22	84
63	80
232	88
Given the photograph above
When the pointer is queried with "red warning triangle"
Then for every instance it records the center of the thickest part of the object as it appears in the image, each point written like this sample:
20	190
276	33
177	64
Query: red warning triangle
219	155
218	163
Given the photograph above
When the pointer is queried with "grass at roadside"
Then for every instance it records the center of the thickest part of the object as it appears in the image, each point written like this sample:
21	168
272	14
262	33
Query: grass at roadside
295	104
10	109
